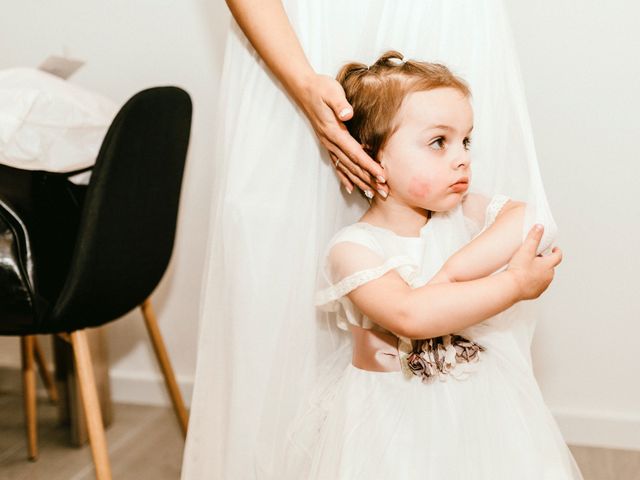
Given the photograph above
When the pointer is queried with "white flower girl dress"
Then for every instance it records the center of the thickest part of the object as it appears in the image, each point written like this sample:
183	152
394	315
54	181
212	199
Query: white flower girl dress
468	408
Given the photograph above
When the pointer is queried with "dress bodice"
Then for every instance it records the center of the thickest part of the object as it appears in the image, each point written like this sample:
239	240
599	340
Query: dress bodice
361	252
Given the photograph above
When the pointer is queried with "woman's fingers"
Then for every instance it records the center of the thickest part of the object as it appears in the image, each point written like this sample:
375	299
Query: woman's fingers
327	108
340	107
365	177
348	186
352	166
373	172
344	166
334	97
346	183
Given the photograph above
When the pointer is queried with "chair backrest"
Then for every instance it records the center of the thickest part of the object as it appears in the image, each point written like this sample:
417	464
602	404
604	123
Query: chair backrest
128	220
18	300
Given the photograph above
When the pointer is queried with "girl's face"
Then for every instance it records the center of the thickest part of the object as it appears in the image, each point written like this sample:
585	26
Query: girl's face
429	151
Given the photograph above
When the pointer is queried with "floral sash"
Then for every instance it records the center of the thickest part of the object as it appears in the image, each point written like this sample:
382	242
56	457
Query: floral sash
438	357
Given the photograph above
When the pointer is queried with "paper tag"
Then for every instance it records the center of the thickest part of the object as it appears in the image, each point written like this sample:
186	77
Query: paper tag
60	66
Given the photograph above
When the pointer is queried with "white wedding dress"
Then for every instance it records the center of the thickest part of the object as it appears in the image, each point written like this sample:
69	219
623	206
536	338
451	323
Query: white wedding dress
276	203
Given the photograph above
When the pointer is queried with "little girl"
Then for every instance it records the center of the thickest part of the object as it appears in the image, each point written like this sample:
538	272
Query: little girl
439	386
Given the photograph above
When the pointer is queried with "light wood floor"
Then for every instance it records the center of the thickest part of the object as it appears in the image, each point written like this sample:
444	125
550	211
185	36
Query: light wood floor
145	443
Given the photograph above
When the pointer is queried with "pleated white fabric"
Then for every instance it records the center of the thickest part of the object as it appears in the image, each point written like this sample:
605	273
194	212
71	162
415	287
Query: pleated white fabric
264	348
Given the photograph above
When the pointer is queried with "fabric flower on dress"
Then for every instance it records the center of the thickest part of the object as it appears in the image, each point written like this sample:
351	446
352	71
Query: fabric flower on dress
439	357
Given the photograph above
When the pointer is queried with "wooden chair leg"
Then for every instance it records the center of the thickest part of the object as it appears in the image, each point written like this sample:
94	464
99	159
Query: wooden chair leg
47	379
165	364
89	395
29	390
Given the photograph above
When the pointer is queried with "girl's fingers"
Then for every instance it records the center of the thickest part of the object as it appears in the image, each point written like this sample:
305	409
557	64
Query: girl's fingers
532	240
556	254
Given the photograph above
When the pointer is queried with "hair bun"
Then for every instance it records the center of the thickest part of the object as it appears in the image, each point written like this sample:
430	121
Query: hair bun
350	69
390	58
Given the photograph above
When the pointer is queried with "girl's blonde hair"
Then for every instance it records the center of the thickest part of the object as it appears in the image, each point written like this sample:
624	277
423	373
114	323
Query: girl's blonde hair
376	92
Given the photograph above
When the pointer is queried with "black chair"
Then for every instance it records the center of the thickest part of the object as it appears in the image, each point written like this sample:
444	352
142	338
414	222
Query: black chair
90	265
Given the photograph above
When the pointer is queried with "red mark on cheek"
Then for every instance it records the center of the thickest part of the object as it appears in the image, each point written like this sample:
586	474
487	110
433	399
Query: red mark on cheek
418	188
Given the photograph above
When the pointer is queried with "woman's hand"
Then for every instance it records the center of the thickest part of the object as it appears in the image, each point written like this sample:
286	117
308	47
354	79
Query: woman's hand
533	273
324	103
321	97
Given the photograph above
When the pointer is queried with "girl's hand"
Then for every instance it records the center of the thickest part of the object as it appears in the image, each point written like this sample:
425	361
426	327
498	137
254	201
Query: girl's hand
532	273
324	103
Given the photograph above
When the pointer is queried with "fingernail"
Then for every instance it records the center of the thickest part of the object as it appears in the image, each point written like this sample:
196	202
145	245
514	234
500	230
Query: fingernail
368	193
381	178
538	226
349	190
383	193
344	112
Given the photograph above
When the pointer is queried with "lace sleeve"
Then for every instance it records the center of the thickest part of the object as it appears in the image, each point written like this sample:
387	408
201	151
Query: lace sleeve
480	210
353	259
493	209
327	297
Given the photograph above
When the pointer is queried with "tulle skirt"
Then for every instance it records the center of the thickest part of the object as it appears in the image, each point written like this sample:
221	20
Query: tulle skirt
492	424
276	202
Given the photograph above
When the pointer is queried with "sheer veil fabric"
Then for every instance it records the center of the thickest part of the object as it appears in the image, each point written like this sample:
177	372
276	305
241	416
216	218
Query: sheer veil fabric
265	352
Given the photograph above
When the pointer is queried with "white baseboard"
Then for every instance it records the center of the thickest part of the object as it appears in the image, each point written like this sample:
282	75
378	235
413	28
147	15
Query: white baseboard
599	428
579	427
140	389
146	388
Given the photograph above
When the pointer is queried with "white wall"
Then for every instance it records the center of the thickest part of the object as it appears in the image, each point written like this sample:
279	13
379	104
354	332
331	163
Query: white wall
129	46
576	58
581	78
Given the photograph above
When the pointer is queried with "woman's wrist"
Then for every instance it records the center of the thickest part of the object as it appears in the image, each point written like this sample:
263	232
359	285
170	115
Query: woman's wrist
299	83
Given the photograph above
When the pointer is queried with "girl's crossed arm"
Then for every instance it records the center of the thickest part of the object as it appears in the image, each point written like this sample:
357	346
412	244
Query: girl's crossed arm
439	309
488	251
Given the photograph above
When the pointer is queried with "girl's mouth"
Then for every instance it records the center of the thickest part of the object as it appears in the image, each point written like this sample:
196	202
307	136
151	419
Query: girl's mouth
460	186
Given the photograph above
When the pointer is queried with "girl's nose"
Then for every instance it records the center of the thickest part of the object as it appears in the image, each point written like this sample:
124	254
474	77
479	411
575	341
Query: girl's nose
463	160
